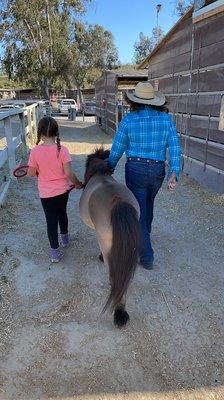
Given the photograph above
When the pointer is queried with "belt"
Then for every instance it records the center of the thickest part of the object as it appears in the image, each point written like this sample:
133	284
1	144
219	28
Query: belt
146	160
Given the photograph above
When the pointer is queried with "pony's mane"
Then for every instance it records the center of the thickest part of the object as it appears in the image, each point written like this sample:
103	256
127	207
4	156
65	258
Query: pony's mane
96	164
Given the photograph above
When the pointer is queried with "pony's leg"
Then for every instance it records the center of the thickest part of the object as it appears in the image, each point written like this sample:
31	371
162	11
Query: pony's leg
105	243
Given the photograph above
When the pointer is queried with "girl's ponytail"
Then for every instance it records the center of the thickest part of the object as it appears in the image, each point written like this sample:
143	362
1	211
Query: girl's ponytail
38	137
58	144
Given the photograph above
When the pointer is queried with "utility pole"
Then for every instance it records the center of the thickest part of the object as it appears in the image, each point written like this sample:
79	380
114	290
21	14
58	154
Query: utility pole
158	9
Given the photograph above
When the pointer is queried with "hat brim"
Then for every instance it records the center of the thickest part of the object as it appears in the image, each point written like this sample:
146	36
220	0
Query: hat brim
158	100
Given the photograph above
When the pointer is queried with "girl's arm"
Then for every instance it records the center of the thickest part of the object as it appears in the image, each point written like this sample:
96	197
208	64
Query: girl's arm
32	171
70	175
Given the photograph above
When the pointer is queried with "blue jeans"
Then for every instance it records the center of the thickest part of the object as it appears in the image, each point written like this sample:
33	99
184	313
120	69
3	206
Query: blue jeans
144	179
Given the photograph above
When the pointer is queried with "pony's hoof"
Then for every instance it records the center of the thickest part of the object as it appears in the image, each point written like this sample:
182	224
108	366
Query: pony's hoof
101	257
121	317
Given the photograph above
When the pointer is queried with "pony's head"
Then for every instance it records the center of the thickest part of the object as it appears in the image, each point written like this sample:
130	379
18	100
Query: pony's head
96	164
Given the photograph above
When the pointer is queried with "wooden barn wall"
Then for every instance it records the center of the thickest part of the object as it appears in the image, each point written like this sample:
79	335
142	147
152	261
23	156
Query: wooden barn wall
107	90
105	93
189	69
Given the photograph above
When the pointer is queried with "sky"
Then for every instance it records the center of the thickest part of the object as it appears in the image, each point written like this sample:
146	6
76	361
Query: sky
127	18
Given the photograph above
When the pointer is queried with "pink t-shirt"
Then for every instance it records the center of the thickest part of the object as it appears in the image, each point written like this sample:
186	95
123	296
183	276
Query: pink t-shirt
52	180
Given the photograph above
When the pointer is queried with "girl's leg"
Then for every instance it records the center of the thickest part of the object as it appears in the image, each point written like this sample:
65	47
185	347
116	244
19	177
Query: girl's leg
62	201
51	215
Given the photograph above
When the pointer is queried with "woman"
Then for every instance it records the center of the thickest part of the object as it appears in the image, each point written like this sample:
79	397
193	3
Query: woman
144	135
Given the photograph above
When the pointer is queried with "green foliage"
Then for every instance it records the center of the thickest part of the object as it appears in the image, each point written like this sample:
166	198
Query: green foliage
144	46
48	48
6	83
37	37
126	67
92	51
182	6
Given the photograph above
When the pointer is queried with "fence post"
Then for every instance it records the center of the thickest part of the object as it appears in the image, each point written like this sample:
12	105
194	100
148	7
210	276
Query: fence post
34	115
10	144
23	134
30	126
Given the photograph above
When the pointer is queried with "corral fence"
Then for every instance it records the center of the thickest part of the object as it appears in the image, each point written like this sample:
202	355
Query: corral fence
18	129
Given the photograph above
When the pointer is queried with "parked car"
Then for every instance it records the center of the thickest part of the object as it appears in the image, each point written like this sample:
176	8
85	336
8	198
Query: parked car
11	106
65	104
88	108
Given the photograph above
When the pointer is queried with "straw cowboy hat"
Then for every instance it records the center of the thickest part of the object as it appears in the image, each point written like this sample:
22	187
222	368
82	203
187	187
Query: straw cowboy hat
144	93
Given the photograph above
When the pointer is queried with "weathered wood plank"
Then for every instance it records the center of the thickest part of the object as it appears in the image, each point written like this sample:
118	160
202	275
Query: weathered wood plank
195	104
208	81
200	128
111	115
209	153
179	43
171	65
169	85
209	31
209	55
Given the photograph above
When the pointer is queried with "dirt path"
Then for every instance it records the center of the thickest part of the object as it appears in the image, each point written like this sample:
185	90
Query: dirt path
55	344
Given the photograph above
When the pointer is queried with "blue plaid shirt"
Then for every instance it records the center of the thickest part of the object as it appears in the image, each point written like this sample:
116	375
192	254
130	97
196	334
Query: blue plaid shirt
147	134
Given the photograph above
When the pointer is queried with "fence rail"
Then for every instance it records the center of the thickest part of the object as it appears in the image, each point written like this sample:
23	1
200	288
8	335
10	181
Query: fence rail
27	132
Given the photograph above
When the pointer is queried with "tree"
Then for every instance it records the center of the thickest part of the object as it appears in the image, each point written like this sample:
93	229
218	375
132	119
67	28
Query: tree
182	6
36	36
157	35
92	51
146	44
142	48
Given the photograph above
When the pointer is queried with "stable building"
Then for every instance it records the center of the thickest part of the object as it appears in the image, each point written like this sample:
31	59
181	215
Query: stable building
109	96
188	66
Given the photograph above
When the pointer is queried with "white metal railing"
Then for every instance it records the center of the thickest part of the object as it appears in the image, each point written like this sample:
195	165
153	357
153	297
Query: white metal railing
27	131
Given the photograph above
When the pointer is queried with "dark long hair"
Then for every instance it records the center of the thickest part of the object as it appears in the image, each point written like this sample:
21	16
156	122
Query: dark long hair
48	127
137	106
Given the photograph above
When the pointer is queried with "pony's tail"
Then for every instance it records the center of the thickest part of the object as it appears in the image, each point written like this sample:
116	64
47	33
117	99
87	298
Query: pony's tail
123	257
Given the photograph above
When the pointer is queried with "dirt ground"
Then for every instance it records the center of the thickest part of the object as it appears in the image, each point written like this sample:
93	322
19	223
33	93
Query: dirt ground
54	342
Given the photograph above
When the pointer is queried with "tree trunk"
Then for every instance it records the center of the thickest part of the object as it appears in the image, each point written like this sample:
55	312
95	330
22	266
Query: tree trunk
46	88
80	95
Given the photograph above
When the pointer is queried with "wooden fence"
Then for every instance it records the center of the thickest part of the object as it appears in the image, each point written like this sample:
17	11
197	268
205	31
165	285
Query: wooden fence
109	89
188	66
28	119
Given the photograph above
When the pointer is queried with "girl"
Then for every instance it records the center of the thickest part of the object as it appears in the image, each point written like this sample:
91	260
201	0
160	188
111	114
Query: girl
51	162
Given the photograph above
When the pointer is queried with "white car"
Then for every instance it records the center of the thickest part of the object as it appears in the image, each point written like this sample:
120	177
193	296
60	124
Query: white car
66	104
11	106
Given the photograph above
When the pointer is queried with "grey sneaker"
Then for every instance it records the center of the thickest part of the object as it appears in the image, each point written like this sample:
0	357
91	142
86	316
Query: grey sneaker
64	239
56	255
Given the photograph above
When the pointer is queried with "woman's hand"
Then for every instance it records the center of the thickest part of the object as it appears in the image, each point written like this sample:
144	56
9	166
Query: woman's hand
172	181
79	185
